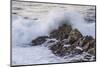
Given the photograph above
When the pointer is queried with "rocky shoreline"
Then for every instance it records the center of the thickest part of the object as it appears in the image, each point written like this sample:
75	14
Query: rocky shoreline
66	41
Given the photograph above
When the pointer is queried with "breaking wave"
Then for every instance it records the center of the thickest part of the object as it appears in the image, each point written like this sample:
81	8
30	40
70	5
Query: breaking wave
24	30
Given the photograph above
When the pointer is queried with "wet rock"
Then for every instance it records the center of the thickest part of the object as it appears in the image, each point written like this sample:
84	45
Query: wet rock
62	32
66	41
74	35
60	49
77	51
56	48
86	39
92	44
87	43
86	46
78	42
51	41
92	51
70	49
38	41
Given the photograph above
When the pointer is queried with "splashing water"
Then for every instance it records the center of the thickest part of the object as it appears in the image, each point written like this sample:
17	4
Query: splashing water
24	30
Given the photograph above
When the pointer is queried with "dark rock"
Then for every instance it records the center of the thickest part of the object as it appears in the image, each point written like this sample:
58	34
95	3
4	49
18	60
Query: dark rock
56	46
87	43
40	40
62	32
77	42
74	35
77	51
51	41
92	44
69	49
59	49
65	41
86	39
92	51
86	46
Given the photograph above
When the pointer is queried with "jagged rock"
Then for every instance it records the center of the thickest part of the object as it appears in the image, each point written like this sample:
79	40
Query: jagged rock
87	43
60	49
86	46
62	32
78	42
92	51
92	44
77	50
40	40
50	41
57	48
65	41
87	39
69	49
74	35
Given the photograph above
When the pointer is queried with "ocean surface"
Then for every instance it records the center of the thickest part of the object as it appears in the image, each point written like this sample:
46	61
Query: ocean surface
31	20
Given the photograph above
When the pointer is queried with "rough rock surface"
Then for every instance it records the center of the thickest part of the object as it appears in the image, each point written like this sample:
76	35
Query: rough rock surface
68	42
62	32
40	40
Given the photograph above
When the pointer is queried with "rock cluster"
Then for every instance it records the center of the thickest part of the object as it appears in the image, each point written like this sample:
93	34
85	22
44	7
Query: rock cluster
67	41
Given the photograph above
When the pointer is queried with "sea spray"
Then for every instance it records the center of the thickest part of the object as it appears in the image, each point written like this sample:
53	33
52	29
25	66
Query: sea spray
24	30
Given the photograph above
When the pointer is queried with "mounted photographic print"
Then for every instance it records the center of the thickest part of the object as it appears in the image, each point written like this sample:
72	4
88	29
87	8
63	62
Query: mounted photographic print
52	33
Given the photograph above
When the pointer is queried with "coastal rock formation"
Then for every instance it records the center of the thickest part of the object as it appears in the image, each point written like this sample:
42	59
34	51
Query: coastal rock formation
67	41
62	32
40	40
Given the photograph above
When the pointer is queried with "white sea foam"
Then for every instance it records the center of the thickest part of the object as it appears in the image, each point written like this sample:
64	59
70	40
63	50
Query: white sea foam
34	55
24	30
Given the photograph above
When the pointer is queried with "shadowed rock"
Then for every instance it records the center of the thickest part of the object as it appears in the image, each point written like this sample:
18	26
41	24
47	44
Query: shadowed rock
74	35
40	40
62	32
92	51
57	48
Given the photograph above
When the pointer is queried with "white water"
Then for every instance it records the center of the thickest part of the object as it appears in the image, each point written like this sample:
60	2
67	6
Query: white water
34	55
27	30
24	30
